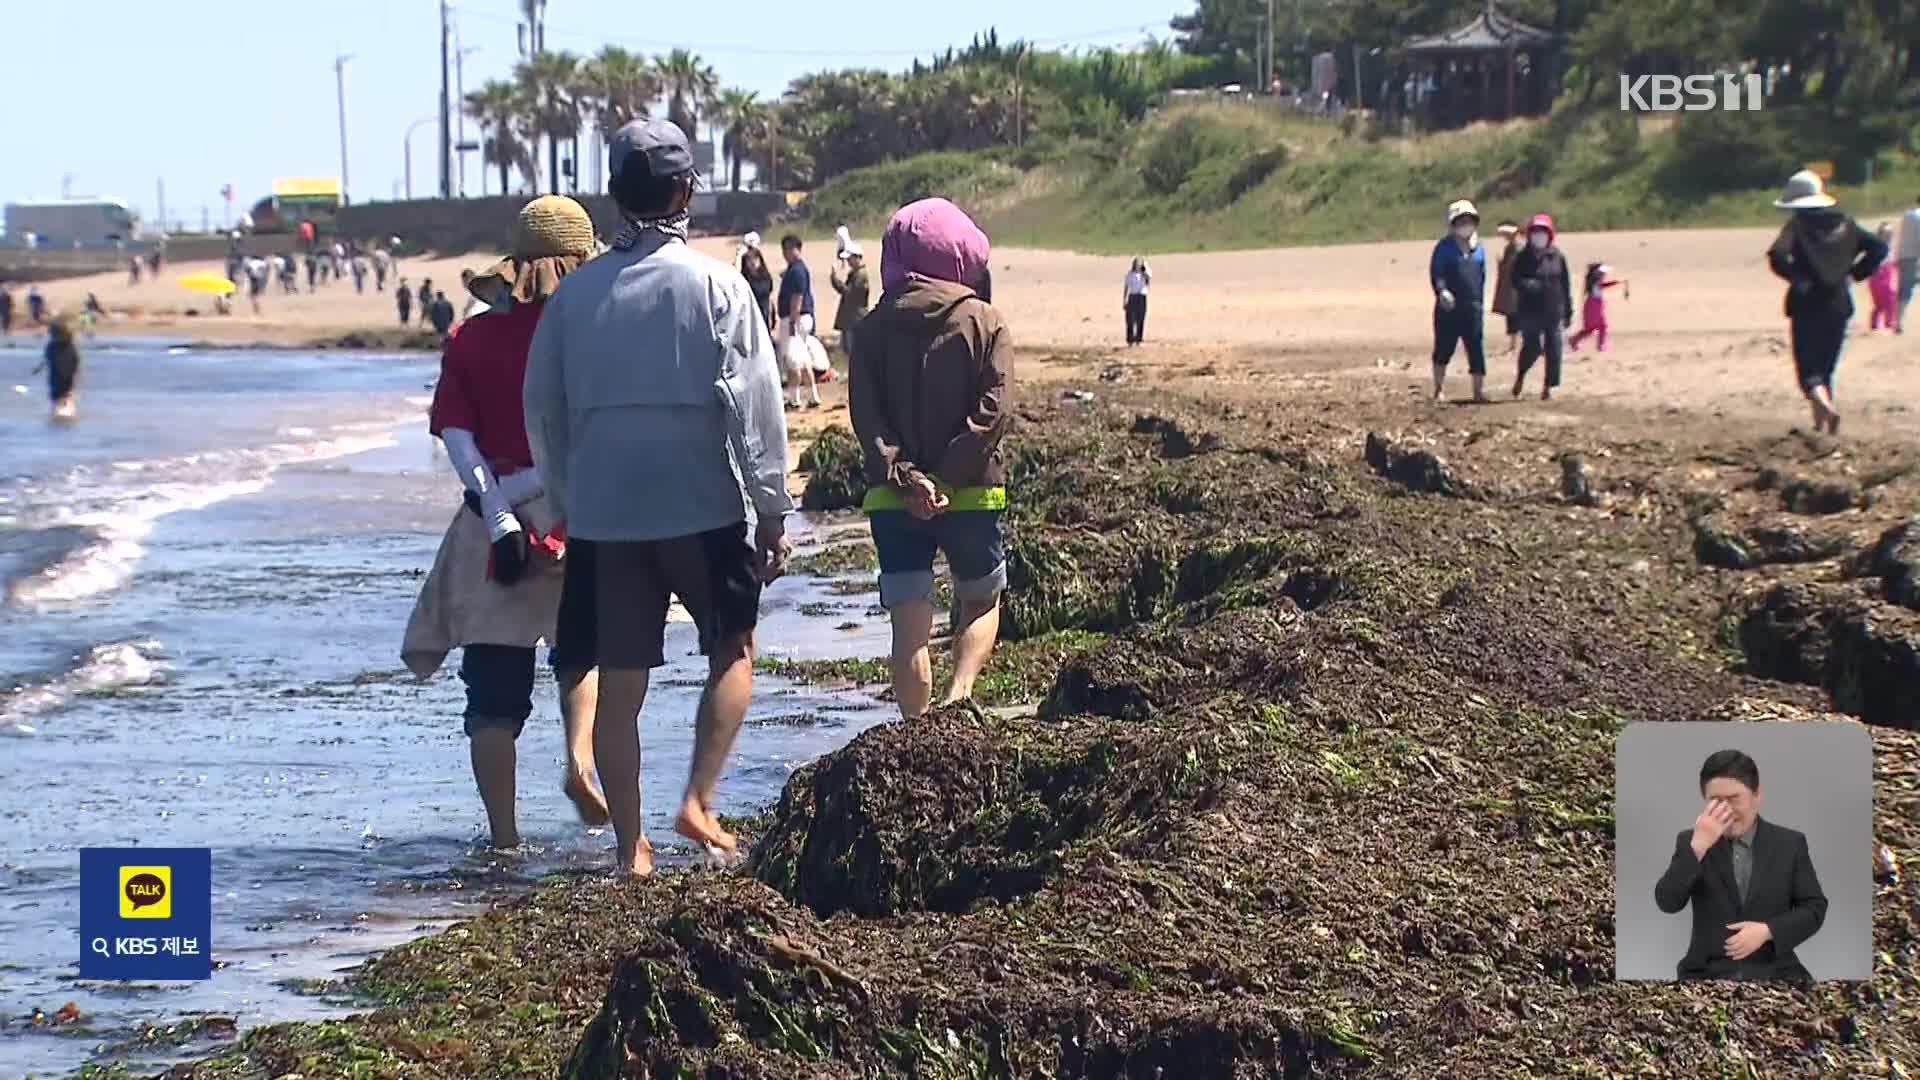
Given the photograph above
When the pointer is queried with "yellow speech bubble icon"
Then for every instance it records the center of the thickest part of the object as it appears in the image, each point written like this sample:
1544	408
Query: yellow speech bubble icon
146	892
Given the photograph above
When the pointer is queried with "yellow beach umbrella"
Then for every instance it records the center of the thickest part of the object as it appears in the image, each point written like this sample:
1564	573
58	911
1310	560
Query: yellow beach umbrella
207	283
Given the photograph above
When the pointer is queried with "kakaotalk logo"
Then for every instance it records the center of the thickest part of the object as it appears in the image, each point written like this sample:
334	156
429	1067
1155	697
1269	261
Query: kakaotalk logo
146	892
1691	93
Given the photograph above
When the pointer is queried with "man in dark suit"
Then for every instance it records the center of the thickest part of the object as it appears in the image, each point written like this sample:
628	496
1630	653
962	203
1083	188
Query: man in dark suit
1751	883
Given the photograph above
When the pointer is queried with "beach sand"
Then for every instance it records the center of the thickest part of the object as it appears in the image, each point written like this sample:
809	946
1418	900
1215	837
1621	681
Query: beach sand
1702	333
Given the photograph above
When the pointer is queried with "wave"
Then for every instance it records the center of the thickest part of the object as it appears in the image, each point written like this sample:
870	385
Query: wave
104	669
120	517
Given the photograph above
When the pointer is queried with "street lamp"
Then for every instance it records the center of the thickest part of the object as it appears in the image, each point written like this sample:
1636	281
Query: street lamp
407	149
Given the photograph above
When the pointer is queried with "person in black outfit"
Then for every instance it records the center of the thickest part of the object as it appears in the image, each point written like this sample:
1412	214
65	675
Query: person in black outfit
753	267
1751	883
403	298
426	299
6	310
1820	252
1545	289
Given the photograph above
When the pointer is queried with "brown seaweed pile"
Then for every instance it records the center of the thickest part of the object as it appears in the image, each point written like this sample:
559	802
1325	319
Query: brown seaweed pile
1320	784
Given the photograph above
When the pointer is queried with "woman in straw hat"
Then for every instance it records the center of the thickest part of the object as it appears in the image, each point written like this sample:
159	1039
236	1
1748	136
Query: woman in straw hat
494	591
1820	251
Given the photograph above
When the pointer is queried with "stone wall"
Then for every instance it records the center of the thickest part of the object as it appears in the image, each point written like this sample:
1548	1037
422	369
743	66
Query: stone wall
459	225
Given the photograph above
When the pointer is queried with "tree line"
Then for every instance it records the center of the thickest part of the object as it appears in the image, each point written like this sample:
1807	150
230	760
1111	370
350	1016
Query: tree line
1852	59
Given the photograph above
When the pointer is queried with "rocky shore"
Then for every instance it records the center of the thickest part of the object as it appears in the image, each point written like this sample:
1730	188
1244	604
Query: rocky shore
1315	779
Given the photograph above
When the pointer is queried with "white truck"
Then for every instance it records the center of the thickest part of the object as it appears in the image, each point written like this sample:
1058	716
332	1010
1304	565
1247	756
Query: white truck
71	223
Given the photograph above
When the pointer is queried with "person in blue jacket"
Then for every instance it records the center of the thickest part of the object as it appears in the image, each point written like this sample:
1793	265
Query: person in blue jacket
1458	274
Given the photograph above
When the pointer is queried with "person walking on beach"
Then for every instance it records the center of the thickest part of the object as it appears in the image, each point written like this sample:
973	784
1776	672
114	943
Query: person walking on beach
6	310
652	398
930	400
441	314
1458	274
403	299
256	281
1909	263
426	299
753	267
494	591
382	263
1884	289
1820	252
1545	289
36	305
855	296
1593	310
61	362
133	270
1506	298
1133	300
359	274
313	270
796	323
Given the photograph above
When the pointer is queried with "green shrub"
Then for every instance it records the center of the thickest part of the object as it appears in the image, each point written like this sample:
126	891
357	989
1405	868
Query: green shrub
878	190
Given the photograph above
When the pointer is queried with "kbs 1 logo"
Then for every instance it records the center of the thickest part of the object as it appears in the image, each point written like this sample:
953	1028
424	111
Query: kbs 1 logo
1691	93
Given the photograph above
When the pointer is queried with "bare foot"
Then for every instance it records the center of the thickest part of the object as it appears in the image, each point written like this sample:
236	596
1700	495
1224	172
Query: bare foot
508	842
698	824
1547	394
641	865
586	798
1519	386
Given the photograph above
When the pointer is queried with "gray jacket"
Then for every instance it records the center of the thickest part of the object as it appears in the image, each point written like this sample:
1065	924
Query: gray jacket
653	397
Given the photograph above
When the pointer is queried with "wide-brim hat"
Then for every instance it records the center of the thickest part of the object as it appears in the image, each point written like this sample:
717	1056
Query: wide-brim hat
1804	191
1460	208
553	236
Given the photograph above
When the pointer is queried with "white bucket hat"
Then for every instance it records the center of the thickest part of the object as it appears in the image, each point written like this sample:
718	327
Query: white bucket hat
750	242
1460	208
1804	191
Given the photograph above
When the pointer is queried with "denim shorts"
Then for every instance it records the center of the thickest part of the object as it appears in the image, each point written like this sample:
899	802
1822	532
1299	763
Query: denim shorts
906	545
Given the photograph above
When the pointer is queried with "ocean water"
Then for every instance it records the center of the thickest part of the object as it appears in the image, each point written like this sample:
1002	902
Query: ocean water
205	579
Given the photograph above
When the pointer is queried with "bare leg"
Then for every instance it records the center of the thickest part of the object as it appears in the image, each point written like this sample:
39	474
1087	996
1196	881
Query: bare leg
973	644
723	705
616	751
813	389
1822	398
912	668
492	751
579	695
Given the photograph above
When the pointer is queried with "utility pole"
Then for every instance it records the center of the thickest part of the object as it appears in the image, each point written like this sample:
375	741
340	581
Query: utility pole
160	196
446	132
459	105
340	89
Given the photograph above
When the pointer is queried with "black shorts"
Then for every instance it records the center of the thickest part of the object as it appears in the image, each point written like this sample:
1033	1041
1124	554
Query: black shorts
613	604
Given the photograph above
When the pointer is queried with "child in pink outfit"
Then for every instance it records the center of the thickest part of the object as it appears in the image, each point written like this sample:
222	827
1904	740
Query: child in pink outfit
1593	312
1886	302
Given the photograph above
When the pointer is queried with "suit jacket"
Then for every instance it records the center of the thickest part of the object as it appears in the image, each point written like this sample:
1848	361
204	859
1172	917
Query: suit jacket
1783	892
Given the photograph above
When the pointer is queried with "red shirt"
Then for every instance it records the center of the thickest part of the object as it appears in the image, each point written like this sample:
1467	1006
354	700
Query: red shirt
482	373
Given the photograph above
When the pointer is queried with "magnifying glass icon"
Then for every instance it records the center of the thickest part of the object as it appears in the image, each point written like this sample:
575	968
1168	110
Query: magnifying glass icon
100	946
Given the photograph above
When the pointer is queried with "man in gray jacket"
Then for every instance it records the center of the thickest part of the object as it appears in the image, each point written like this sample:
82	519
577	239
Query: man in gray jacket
652	399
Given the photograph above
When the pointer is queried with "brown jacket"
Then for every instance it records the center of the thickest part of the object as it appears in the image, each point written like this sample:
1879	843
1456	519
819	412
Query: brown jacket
1506	298
929	390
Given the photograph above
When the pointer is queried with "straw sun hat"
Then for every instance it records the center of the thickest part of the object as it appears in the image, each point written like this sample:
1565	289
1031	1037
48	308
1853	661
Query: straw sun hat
1804	191
554	234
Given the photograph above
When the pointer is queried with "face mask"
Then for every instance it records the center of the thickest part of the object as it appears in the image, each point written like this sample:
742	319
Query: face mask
1537	241
1464	232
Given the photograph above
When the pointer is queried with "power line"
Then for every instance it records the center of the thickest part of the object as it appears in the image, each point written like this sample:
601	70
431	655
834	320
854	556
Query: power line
825	54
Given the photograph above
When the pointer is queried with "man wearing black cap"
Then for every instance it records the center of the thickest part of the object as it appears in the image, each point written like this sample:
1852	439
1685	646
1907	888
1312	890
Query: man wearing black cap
652	398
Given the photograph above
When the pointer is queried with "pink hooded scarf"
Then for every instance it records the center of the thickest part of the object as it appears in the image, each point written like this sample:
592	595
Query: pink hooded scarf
935	239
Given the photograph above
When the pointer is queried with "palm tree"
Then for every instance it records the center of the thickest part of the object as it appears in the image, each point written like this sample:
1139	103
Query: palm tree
497	107
548	80
689	85
618	86
744	118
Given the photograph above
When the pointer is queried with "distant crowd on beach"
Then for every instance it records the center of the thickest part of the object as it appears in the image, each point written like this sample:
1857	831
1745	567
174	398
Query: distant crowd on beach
1819	252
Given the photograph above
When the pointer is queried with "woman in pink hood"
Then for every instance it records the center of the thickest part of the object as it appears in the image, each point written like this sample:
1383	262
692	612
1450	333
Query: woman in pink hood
930	400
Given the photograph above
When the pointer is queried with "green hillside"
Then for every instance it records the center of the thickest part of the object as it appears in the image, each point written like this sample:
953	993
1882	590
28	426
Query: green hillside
1229	175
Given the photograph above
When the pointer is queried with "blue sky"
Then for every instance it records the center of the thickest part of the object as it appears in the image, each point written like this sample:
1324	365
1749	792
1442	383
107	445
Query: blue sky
120	94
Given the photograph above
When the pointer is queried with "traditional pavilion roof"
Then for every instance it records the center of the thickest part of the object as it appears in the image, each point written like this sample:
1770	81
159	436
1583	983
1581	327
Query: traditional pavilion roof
1492	30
